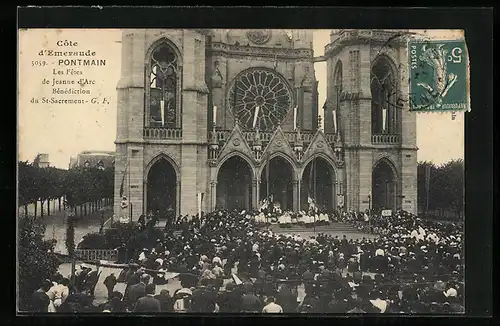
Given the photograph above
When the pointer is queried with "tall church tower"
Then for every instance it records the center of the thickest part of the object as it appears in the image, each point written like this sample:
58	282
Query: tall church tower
367	105
161	149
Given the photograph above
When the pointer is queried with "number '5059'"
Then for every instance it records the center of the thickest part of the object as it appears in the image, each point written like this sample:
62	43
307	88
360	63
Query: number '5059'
38	63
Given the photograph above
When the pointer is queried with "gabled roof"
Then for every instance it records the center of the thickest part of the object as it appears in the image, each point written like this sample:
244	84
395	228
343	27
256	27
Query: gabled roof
236	142
279	143
319	144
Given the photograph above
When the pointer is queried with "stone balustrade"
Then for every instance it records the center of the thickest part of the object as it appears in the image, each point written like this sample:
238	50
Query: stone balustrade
162	133
385	139
96	254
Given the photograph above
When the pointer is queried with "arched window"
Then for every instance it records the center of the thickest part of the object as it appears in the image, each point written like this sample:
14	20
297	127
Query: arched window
163	87
383	86
86	164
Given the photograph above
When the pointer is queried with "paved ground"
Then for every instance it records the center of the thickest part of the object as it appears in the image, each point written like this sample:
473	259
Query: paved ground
56	228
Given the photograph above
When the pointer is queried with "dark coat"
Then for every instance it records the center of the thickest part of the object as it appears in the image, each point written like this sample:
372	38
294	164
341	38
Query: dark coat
80	278
203	300
147	304
91	280
39	302
136	292
250	302
229	301
110	281
287	300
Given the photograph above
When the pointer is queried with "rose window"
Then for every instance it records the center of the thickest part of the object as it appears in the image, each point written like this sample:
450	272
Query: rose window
263	93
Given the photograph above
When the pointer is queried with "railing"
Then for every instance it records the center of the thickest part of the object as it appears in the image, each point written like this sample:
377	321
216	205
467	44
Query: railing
162	133
96	254
330	137
223	136
385	139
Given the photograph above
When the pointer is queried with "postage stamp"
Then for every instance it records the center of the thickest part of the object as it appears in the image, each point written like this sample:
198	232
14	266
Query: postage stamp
439	75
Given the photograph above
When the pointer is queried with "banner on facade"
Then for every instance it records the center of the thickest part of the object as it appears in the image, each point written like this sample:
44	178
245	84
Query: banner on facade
200	199
341	200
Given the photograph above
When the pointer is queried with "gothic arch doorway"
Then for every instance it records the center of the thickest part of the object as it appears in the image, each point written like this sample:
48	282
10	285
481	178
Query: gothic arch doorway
162	189
234	184
318	181
383	186
280	175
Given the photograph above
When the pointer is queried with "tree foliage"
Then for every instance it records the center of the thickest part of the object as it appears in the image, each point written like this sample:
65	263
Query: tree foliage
36	259
79	185
70	235
446	186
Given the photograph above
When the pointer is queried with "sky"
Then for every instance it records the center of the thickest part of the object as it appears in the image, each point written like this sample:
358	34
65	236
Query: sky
64	130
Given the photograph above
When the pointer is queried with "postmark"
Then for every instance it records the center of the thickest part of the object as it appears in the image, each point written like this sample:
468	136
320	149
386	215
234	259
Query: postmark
439	75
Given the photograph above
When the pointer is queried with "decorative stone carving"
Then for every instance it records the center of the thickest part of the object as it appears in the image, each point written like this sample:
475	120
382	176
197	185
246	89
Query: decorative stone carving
236	142
259	36
299	145
279	142
217	78
373	37
260	53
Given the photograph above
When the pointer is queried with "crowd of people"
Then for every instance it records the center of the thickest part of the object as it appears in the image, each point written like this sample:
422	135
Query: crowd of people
226	262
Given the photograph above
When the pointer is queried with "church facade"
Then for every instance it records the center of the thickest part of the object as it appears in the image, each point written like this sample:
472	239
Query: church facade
231	117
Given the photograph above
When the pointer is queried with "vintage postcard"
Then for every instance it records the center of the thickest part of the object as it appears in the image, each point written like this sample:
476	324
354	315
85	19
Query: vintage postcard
241	171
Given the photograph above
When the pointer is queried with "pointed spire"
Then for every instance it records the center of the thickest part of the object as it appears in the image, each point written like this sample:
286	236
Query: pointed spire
257	136
299	144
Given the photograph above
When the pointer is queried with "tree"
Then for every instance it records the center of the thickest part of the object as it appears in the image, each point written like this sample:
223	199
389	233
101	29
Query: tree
70	235
36	258
79	185
424	168
451	185
446	186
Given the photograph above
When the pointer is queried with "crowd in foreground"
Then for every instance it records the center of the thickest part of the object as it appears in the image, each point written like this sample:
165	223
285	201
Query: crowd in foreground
227	263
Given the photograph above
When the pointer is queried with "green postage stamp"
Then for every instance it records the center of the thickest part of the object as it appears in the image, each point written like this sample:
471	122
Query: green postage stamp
439	75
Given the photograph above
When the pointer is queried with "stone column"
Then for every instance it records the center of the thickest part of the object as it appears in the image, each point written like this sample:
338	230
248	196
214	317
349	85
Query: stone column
145	196
178	198
255	193
296	196
135	178
334	194
259	181
299	187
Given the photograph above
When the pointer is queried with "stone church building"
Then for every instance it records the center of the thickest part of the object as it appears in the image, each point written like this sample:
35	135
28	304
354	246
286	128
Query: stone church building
233	115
